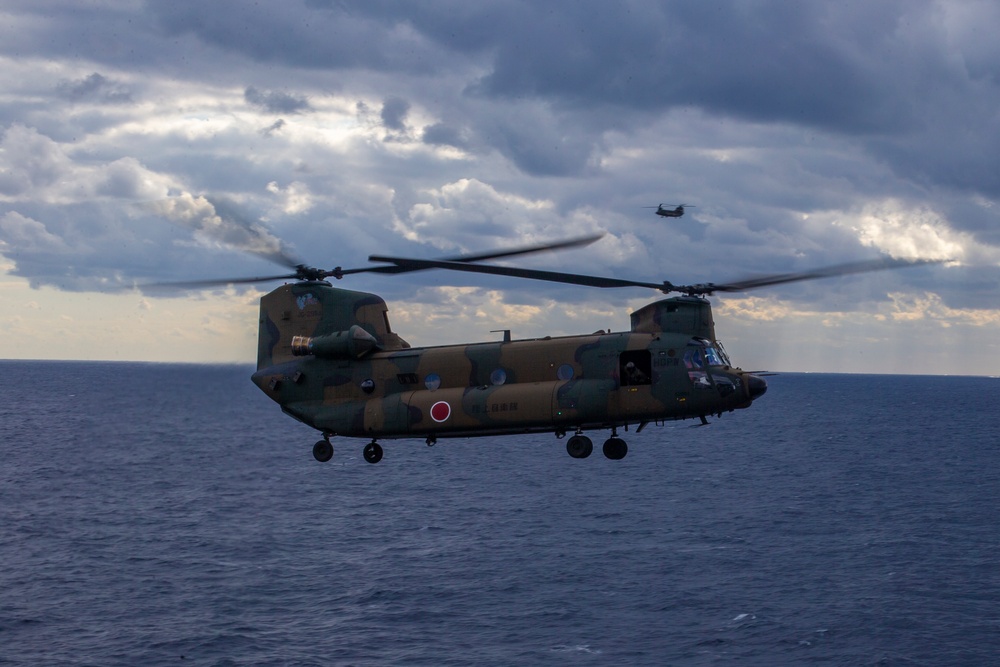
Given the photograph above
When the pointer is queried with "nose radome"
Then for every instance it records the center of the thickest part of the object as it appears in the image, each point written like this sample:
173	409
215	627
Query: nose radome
756	386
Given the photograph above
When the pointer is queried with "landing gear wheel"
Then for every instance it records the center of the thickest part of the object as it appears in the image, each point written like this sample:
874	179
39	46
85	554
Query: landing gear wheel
373	452
579	446
323	451
615	449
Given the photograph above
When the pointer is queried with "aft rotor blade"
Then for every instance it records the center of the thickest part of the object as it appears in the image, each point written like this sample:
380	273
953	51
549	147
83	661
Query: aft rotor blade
577	242
665	287
479	257
533	274
868	266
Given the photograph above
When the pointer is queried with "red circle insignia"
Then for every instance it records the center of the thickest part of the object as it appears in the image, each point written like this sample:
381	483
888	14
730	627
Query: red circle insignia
440	411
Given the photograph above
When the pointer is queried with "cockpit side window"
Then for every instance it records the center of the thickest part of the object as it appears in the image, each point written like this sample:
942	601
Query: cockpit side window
693	358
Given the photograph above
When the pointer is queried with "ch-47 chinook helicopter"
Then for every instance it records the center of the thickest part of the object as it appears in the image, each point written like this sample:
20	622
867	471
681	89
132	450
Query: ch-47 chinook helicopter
676	212
329	358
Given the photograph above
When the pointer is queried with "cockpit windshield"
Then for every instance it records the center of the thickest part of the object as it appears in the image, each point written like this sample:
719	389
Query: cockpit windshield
723	354
713	357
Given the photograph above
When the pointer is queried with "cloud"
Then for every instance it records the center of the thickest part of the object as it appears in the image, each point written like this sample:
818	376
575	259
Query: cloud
468	212
224	223
275	101
95	87
394	111
29	161
440	134
20	234
296	197
541	143
804	134
929	306
34	166
273	127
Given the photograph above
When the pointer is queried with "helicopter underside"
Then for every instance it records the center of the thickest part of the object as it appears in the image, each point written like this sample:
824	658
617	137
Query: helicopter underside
300	414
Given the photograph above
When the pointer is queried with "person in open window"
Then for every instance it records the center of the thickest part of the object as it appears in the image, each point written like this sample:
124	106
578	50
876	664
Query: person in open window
634	375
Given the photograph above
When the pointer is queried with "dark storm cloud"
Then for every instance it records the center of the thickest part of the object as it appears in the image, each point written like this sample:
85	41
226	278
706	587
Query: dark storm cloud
394	111
553	89
854	66
762	60
543	146
440	134
290	34
275	101
895	76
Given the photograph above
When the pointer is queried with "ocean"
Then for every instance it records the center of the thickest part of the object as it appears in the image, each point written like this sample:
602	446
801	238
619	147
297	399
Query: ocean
156	514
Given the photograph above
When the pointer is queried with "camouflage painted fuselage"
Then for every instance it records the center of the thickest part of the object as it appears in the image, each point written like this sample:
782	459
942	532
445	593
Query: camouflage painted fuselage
329	358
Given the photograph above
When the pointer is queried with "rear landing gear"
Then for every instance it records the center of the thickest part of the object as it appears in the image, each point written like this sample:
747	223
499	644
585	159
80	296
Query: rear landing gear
323	451
373	452
580	446
615	448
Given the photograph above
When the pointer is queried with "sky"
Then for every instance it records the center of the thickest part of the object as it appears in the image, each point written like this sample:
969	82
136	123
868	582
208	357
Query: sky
152	142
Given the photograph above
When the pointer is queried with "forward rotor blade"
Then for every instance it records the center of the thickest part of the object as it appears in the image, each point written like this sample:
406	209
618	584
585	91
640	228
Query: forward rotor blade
494	254
216	282
282	257
533	274
881	264
304	272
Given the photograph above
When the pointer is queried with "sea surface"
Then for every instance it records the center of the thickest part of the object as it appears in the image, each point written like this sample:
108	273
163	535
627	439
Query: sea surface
171	515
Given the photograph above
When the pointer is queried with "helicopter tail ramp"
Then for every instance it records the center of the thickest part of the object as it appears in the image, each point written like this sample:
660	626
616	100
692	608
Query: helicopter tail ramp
315	318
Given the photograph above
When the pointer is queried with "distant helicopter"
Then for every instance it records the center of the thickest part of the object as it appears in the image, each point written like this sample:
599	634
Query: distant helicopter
329	358
670	212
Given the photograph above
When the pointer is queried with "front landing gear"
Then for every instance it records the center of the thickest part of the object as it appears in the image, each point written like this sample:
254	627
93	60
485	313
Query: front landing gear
373	452
323	450
579	446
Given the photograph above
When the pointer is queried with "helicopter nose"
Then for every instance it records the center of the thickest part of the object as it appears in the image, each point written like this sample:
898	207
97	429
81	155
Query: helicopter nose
756	386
